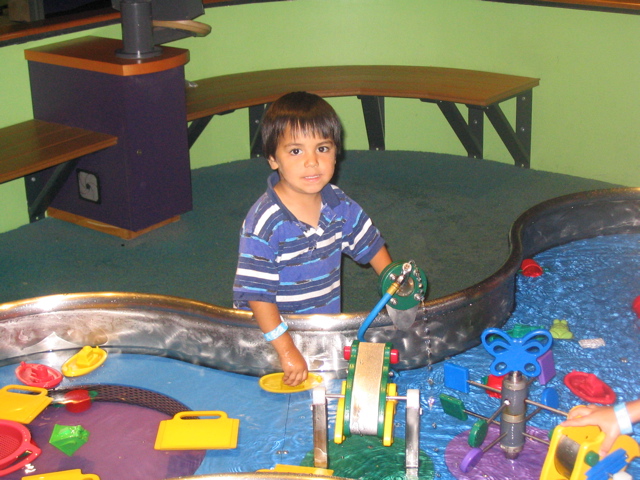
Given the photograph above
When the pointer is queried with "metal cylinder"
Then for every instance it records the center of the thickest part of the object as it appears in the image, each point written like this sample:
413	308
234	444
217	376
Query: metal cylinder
137	30
513	420
566	455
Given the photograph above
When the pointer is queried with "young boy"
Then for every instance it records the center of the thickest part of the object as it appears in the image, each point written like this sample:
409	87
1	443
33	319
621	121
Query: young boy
293	237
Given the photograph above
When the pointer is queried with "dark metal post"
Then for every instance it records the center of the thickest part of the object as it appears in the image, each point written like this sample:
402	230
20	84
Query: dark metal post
137	30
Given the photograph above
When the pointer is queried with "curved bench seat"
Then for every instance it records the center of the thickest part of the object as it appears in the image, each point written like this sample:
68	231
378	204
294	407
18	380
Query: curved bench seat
481	92
216	95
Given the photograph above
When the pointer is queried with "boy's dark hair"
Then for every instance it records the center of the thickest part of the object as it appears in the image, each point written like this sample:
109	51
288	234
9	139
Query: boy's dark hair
303	112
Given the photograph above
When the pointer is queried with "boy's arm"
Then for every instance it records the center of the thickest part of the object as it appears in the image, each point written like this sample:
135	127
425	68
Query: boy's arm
380	260
293	363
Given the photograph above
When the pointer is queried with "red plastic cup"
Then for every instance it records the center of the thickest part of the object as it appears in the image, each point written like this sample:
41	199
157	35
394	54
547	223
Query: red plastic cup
77	401
636	306
530	268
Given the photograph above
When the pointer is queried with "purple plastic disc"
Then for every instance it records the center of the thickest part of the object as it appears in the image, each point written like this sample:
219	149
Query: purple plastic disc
471	459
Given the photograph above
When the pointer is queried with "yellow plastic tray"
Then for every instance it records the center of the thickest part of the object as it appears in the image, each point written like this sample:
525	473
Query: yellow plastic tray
22	403
298	469
63	475
273	383
182	433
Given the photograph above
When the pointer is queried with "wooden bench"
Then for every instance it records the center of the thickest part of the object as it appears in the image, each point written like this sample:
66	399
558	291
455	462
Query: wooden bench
481	92
34	145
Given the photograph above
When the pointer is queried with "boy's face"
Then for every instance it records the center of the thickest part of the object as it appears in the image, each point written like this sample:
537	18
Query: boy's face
305	163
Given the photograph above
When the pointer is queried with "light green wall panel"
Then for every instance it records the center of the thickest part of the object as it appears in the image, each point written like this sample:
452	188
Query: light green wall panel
586	109
13	205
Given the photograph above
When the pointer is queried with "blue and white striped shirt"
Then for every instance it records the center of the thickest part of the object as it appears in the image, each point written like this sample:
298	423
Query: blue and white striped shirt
285	261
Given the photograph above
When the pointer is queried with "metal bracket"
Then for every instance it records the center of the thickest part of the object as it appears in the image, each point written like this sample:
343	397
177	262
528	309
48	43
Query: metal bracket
256	114
470	134
43	186
373	110
517	141
197	126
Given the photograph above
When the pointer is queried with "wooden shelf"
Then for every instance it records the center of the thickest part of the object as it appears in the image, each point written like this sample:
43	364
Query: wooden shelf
16	32
34	145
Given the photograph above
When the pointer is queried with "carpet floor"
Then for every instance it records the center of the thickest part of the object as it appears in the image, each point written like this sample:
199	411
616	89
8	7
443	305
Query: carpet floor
450	214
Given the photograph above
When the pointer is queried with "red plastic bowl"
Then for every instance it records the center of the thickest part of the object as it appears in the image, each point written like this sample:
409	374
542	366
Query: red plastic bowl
15	442
589	387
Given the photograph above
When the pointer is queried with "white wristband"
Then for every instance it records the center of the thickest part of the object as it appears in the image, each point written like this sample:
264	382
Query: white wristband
624	420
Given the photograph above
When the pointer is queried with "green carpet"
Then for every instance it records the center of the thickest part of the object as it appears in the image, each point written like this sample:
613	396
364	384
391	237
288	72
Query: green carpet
450	214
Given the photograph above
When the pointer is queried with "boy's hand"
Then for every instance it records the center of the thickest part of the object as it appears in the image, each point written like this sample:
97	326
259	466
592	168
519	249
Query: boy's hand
294	366
293	363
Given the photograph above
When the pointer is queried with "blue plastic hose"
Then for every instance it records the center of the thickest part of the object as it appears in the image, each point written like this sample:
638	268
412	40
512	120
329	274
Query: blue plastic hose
372	316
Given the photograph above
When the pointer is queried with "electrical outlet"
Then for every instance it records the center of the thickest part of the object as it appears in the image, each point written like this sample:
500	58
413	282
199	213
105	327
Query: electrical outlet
88	186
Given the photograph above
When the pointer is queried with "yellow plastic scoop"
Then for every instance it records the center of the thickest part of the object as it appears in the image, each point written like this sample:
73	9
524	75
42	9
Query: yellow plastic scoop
193	433
22	403
273	383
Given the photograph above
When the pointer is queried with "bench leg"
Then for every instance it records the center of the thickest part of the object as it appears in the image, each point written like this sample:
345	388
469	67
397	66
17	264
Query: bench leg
524	113
41	190
373	110
196	128
256	113
476	128
518	142
470	134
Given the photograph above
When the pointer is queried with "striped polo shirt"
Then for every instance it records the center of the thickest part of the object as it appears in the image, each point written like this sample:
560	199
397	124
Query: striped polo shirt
285	261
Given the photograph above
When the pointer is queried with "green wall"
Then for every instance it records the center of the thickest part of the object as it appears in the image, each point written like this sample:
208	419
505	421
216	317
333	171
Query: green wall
586	115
